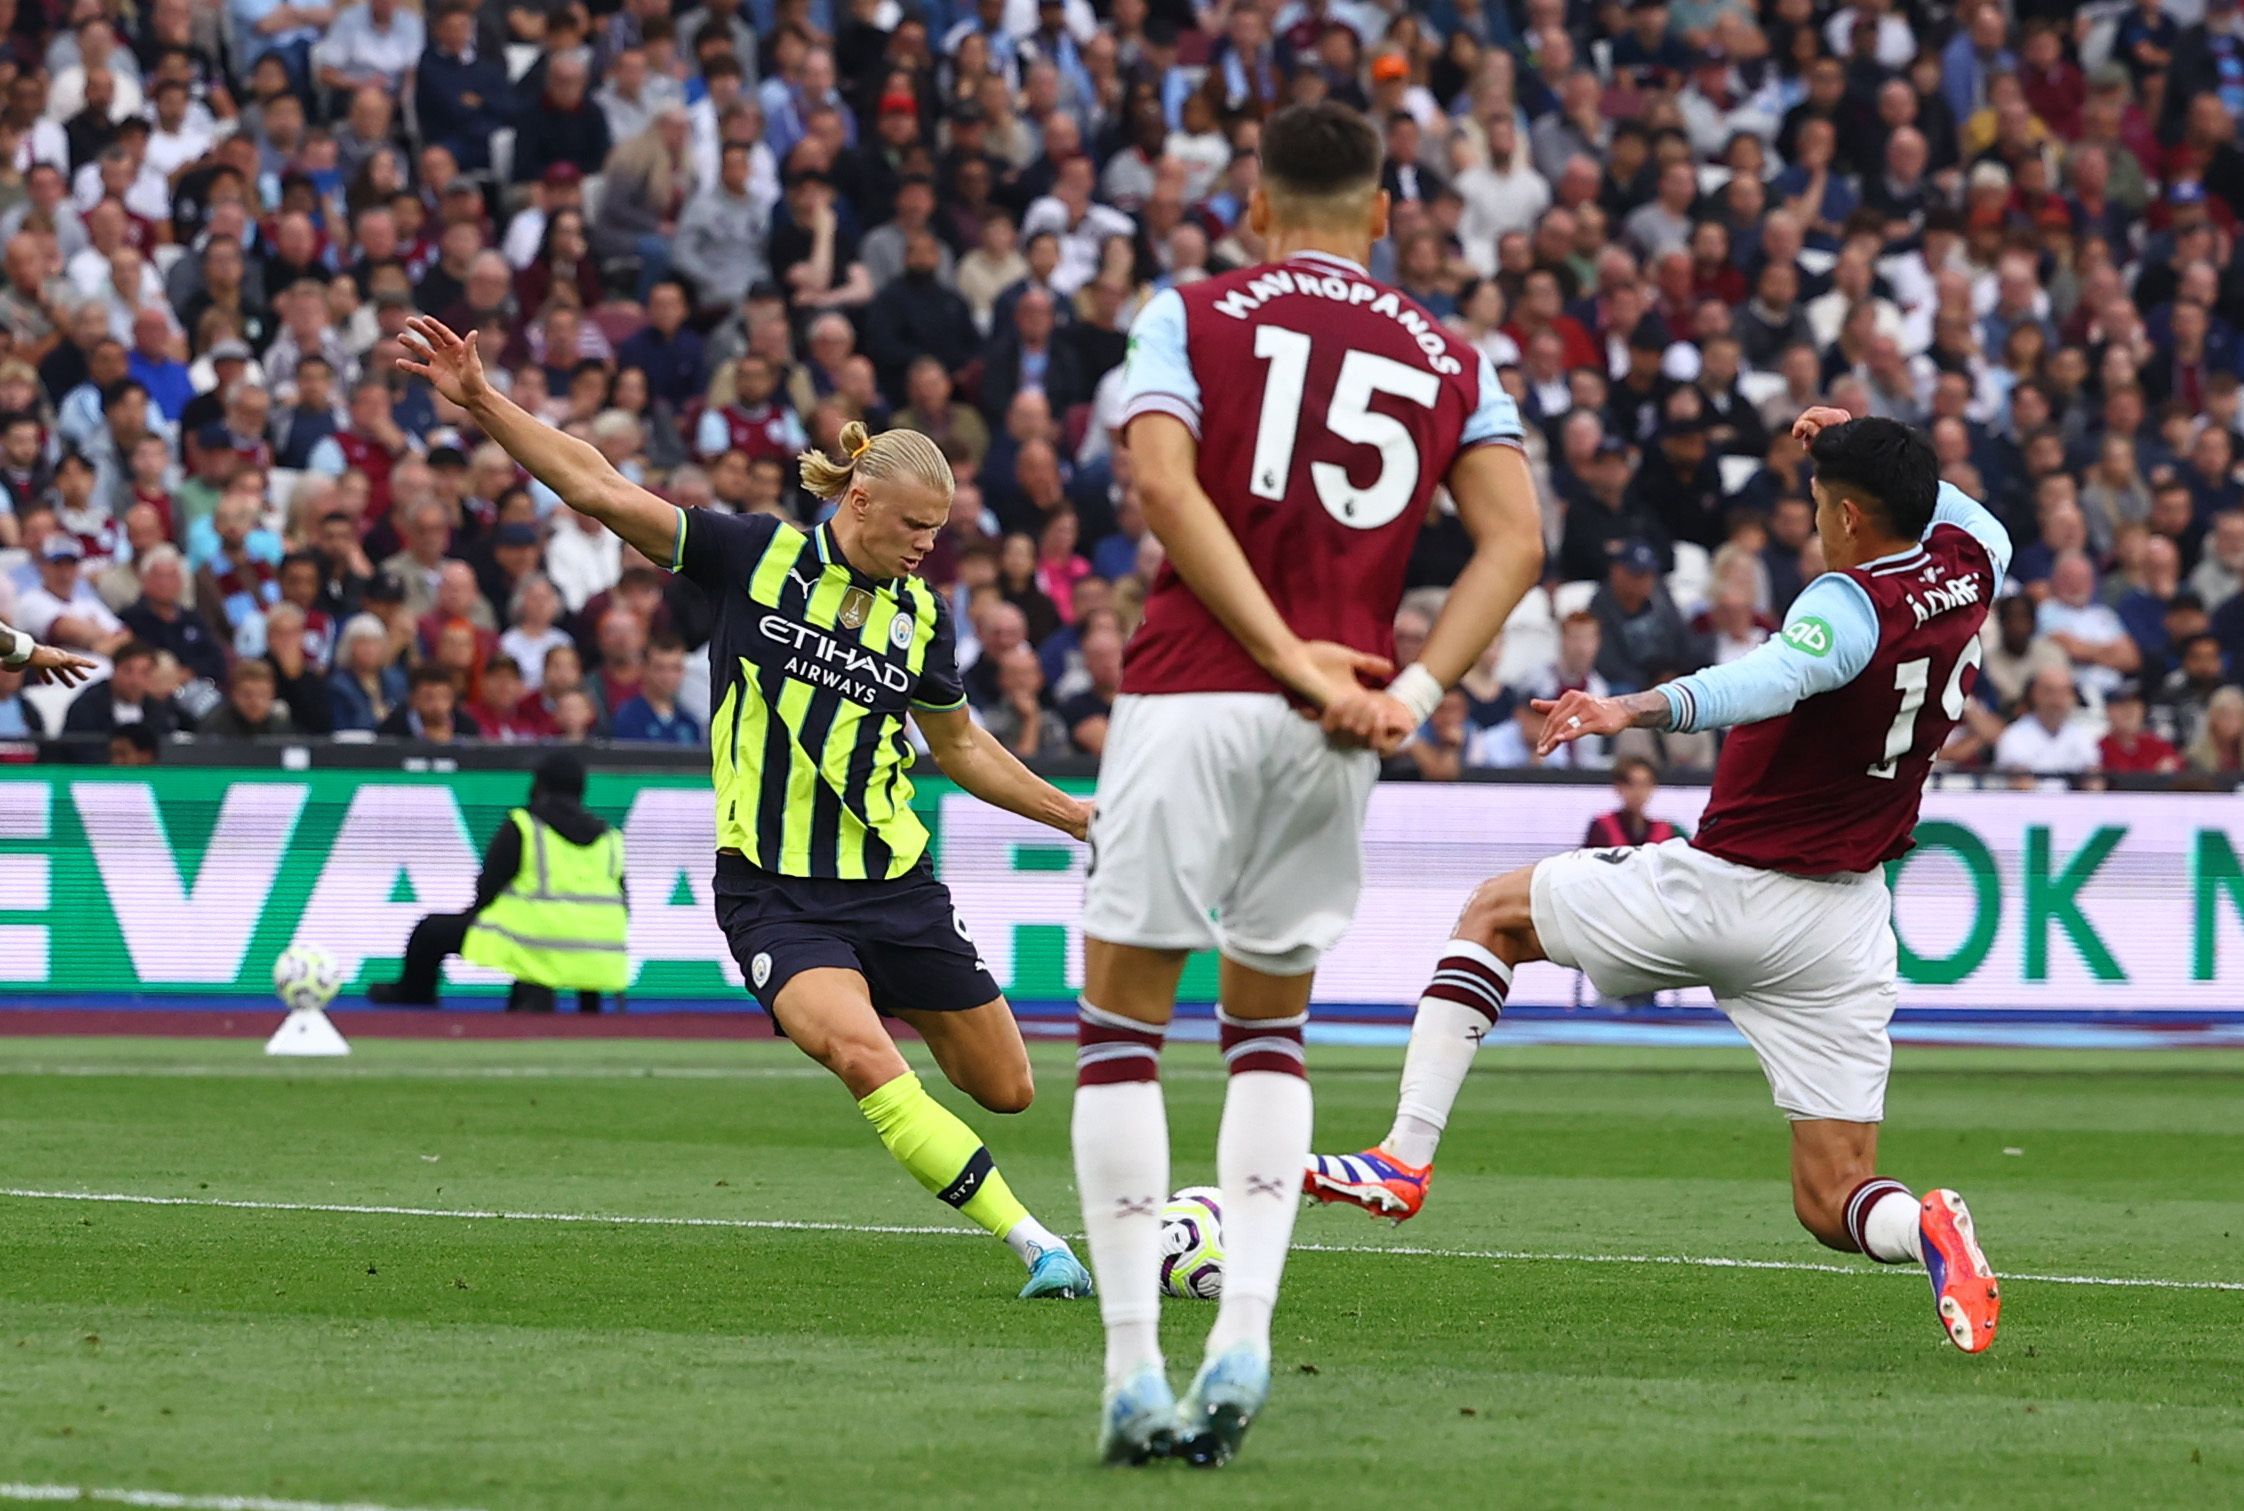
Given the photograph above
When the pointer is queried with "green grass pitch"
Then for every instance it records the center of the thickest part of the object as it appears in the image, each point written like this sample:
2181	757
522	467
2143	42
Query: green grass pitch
422	1361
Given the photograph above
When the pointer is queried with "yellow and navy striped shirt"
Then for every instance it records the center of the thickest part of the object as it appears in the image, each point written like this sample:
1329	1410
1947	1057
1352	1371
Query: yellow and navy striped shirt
813	667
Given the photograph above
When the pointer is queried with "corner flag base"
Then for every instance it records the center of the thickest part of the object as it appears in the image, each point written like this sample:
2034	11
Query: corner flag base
307	1031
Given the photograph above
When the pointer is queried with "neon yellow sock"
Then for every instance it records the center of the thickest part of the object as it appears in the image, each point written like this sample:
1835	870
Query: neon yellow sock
943	1154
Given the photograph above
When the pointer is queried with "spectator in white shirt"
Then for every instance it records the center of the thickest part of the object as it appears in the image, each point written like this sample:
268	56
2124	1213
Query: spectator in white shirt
584	558
1735	630
2048	740
39	137
97	49
89	271
182	132
1083	227
375	42
560	187
633	96
64	609
1897	44
2220	575
1503	193
122	173
2087	631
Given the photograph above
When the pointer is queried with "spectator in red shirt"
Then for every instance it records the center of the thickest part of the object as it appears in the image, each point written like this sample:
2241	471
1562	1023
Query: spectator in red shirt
503	709
2128	748
1542	307
1634	781
2055	87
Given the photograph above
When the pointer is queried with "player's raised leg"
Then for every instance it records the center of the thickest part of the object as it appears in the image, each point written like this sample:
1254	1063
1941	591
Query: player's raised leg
1847	1206
1495	933
1120	1132
828	1012
981	1053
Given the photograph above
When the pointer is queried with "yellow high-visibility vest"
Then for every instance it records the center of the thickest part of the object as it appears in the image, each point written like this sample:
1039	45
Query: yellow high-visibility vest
561	922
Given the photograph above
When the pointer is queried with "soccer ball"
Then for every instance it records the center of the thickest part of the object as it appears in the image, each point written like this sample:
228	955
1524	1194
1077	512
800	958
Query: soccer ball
1192	1244
306	977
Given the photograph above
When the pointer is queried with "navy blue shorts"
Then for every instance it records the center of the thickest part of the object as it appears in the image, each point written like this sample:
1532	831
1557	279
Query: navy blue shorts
903	936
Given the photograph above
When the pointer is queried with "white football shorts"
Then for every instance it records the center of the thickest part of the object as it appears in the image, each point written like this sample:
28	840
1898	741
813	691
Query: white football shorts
1226	821
1803	966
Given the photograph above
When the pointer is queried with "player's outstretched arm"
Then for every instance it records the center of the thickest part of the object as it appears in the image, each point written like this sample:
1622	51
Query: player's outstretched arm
1829	636
49	663
972	757
575	470
1207	556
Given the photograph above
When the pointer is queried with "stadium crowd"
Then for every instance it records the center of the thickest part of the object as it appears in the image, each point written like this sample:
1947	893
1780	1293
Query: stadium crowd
706	235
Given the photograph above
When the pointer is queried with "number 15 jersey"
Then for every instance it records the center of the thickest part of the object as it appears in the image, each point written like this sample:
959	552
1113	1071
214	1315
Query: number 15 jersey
1329	408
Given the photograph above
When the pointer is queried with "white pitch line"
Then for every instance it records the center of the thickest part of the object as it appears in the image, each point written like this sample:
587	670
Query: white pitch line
266	1070
907	1230
328	1070
82	1494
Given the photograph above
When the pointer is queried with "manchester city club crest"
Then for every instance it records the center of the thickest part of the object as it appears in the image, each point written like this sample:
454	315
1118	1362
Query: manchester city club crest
856	604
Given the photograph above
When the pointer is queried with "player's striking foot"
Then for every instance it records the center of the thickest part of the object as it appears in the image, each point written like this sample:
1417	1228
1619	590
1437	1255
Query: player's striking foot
1963	1284
1139	1420
1374	1180
1057	1273
1221	1406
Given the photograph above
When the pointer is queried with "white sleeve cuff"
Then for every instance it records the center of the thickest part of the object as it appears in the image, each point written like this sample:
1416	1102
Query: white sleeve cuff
20	647
1174	405
1416	689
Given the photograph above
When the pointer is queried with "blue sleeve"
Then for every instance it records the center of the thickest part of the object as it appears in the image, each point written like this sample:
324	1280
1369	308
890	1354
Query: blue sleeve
1157	377
1828	638
1497	418
1958	508
940	687
719	551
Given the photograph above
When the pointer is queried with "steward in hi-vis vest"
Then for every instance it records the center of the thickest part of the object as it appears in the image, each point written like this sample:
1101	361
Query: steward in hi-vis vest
550	907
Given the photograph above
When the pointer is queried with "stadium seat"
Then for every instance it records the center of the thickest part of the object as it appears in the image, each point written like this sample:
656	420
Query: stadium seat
1736	472
1530	640
1694	571
1760	388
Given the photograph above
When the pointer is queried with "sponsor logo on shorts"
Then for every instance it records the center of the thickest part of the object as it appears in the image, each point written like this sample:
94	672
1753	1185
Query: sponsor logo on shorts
1810	635
958	922
759	969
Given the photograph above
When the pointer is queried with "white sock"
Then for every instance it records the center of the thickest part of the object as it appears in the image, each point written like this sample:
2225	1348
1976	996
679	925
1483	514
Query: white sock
1121	1135
1892	1230
1461	1003
1031	1240
1261	1150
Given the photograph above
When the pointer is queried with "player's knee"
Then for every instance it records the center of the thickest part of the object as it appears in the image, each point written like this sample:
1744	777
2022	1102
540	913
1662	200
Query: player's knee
1498	908
862	1065
1008	1090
